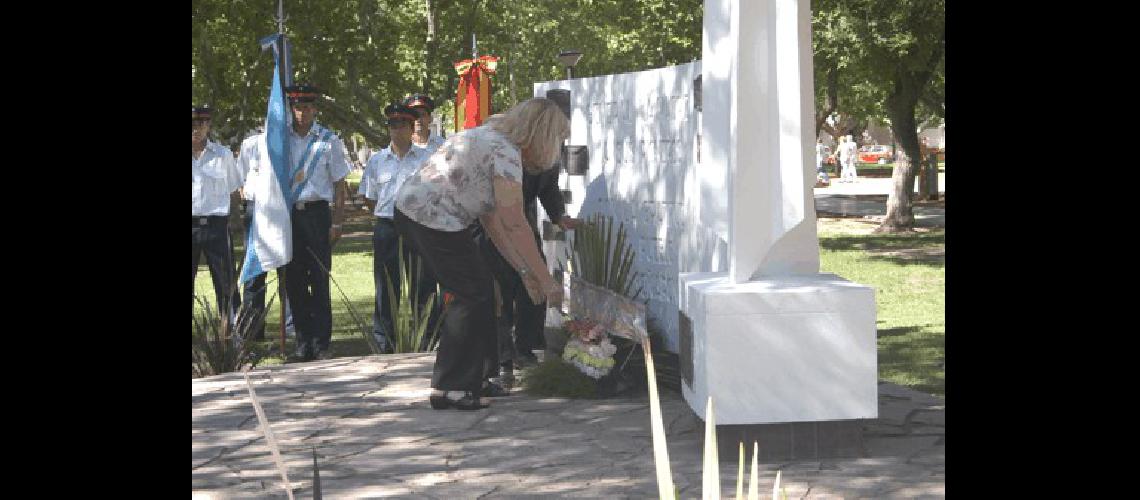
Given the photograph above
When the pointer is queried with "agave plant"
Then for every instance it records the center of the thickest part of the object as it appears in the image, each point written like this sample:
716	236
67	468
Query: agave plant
223	344
409	317
601	258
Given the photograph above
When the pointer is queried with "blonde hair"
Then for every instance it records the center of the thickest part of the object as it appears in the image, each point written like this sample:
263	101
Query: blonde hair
536	125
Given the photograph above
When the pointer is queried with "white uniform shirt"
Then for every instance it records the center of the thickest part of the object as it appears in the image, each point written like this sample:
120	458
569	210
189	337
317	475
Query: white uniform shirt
454	186
385	173
332	166
214	176
249	161
433	143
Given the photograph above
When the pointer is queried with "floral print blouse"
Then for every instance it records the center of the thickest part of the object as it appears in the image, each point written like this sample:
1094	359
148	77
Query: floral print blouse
454	186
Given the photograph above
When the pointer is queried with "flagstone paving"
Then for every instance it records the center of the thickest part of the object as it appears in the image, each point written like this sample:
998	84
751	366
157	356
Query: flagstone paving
375	436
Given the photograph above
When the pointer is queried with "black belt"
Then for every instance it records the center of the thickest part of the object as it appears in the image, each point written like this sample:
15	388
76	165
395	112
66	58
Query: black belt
202	220
302	205
385	220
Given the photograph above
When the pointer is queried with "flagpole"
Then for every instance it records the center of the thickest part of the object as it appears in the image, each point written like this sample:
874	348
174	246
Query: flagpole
287	76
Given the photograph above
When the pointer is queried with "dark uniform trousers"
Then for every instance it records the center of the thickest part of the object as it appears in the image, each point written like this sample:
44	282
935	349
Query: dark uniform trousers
386	262
306	283
467	333
212	237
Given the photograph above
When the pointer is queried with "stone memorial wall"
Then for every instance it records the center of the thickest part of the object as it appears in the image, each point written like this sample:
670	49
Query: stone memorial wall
642	133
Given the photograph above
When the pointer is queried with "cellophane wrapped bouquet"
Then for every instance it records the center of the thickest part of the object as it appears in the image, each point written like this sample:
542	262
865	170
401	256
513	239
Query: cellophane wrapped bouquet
589	348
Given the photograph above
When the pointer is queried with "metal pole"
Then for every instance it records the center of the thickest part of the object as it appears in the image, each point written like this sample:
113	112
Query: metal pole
281	16
286	58
288	80
281	295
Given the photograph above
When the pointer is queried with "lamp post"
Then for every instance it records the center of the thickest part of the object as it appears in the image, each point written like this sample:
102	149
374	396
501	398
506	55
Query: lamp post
569	58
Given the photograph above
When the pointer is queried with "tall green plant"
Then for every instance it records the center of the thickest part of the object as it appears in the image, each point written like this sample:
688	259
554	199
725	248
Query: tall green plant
409	317
221	345
405	330
602	258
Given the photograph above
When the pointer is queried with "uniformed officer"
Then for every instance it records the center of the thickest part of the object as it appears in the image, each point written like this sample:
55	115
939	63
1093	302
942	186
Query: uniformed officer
422	137
384	173
215	183
318	167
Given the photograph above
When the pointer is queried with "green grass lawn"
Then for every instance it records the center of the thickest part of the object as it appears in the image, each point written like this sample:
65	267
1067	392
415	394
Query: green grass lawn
906	271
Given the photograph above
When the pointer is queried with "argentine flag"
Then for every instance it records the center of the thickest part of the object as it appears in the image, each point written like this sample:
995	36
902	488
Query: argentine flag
270	242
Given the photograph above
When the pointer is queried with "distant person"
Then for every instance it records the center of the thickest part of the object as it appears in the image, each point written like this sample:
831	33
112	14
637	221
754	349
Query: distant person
840	157
850	154
215	184
820	174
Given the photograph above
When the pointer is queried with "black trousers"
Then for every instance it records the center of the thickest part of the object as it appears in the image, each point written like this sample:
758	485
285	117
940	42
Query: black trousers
519	314
468	329
211	236
306	283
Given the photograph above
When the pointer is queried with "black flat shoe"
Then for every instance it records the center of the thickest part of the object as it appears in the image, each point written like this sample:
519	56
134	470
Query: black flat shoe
493	390
467	402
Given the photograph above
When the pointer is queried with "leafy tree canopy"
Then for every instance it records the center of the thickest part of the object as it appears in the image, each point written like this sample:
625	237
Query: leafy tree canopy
364	54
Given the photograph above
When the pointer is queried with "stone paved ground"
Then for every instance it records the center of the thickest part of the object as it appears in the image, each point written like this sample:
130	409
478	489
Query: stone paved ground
375	436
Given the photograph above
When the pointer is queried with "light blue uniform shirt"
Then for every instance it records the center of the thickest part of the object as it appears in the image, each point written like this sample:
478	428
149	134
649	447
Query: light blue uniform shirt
433	143
385	173
214	176
332	166
249	162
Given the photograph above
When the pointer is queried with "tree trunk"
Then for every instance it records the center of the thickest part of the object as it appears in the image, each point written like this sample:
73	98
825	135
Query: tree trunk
901	104
832	100
900	108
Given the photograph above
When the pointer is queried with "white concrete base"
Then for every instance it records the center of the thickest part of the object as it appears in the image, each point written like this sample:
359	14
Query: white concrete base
787	349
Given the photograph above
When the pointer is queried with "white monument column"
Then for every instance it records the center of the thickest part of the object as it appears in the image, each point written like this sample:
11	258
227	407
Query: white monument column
771	340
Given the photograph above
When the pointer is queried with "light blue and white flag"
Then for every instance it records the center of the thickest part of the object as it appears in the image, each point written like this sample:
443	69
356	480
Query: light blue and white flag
270	242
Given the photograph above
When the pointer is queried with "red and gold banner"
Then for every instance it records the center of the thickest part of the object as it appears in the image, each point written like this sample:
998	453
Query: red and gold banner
473	98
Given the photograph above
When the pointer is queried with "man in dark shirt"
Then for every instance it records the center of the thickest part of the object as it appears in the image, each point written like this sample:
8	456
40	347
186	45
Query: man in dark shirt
518	313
